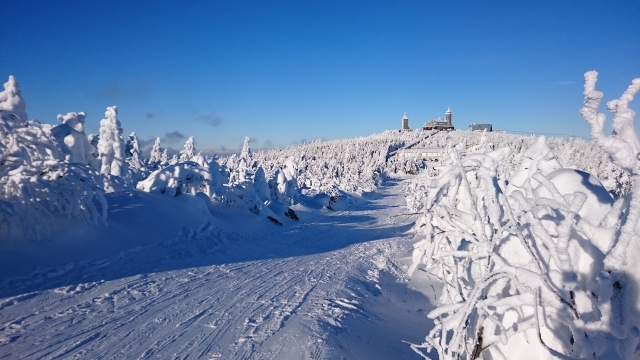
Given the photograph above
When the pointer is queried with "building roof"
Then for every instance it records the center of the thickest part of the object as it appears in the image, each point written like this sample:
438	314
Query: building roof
480	127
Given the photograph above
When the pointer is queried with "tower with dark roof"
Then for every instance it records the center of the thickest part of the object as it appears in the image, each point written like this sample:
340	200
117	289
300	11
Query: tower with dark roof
405	122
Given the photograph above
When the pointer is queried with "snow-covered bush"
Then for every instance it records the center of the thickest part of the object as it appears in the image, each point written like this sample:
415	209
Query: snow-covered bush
575	153
76	145
37	182
182	178
537	269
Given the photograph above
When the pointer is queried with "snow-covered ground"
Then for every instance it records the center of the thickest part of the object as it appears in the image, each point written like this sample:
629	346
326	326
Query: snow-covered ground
522	247
179	280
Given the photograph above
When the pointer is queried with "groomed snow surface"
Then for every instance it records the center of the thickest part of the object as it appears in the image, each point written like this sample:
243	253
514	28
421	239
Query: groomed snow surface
177	278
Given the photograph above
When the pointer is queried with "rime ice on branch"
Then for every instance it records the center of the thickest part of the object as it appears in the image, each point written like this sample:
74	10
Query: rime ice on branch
623	146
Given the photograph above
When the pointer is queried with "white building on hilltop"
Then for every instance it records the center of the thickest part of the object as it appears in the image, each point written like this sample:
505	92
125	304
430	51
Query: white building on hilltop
439	124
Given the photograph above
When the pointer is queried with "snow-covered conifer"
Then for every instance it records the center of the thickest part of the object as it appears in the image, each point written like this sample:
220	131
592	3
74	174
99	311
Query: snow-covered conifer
189	150
111	145
11	99
156	152
135	164
164	157
261	186
132	148
246	150
71	136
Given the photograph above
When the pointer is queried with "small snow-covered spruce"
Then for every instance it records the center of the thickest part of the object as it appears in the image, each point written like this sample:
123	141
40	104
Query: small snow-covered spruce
246	150
11	99
189	150
111	144
135	163
536	260
155	157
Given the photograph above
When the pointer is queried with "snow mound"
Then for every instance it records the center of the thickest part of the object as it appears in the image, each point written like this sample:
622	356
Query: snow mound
570	181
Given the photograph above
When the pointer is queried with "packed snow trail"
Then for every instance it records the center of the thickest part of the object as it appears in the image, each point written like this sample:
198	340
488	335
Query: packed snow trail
329	287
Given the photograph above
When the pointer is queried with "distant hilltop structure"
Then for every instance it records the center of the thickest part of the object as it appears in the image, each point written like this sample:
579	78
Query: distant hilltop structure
439	124
405	123
481	127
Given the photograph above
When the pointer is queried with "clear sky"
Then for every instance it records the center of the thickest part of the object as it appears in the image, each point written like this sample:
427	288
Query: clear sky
285	71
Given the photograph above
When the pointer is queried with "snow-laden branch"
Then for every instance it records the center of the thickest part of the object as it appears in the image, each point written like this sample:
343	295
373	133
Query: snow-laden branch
623	144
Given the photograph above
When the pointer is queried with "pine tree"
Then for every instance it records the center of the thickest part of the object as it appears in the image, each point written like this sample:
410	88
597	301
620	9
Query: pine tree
189	150
246	150
164	158
156	152
111	145
11	99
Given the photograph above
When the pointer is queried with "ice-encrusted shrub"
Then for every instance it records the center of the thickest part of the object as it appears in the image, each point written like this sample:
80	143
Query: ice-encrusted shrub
576	153
541	269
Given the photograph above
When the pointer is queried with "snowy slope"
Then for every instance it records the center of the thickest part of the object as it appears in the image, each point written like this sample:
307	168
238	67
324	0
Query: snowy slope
329	286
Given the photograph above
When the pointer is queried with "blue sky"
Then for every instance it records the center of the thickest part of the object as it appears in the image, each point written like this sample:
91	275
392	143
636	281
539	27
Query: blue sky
285	71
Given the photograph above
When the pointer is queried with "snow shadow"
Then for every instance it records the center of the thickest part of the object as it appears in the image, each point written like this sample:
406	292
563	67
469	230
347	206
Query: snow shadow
378	320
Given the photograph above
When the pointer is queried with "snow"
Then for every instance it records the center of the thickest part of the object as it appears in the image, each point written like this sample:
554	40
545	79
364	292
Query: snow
226	286
505	247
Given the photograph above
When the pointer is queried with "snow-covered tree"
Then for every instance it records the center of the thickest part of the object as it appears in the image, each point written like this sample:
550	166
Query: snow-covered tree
38	184
11	99
75	143
156	152
164	157
246	150
182	178
189	150
135	164
132	148
111	145
261	186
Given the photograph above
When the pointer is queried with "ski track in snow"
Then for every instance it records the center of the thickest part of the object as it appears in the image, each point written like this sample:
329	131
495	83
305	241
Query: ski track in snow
276	307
